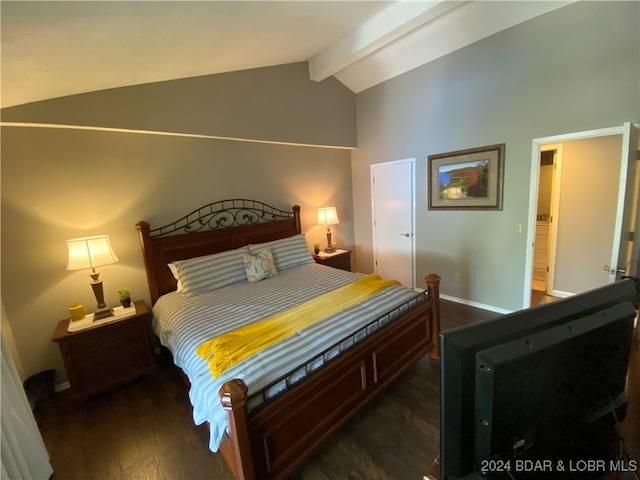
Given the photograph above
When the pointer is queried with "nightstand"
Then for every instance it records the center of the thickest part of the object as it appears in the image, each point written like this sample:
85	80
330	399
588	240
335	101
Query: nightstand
339	259
102	356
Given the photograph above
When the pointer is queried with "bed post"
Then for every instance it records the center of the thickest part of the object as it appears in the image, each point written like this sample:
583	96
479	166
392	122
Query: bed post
149	264
296	215
233	396
433	284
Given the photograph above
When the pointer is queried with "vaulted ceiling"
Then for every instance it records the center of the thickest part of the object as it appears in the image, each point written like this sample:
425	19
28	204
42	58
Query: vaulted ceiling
56	48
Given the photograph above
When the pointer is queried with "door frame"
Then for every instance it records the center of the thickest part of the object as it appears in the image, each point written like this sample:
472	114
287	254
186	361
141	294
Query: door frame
625	133
412	163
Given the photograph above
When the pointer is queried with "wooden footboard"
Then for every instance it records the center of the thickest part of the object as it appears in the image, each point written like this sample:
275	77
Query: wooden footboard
274	440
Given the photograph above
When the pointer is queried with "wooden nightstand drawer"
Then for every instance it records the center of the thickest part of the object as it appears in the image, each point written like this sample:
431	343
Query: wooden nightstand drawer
121	364
100	357
105	338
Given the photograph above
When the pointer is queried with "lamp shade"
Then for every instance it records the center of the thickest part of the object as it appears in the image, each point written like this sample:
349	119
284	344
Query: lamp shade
90	252
327	216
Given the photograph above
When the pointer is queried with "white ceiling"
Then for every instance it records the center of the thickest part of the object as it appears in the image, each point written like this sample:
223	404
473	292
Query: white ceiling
56	48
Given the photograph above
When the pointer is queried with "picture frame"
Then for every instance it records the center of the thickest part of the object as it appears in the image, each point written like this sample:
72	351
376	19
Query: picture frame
469	179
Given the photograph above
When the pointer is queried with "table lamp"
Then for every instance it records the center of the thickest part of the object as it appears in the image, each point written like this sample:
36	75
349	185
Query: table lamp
92	252
328	216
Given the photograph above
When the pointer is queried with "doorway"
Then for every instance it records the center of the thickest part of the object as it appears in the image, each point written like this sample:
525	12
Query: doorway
588	215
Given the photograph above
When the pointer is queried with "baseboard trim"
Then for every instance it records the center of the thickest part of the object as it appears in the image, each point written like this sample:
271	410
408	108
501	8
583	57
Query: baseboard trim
62	386
471	303
561	294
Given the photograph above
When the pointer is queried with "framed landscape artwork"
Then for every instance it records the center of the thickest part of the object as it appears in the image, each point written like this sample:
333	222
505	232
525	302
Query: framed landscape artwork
467	179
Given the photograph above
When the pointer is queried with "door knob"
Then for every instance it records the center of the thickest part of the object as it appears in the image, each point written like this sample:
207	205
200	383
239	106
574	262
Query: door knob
607	268
405	234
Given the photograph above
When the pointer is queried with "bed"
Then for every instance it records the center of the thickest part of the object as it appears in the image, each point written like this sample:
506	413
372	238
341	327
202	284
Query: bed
268	412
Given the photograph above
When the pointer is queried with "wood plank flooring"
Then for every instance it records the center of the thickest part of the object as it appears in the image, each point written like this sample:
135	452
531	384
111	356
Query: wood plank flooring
144	430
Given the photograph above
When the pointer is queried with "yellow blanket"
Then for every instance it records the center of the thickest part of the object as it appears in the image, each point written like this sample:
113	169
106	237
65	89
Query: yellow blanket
230	348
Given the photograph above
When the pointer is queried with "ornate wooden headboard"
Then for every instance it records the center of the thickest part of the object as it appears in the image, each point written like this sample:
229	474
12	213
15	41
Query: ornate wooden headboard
213	228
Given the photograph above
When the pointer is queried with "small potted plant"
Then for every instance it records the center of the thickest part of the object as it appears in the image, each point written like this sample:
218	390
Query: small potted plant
316	248
125	297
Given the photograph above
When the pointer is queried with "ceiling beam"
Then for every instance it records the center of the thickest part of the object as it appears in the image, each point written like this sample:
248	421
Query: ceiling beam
379	31
458	28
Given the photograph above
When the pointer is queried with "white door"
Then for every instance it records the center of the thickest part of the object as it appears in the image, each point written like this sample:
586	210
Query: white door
592	224
392	196
585	222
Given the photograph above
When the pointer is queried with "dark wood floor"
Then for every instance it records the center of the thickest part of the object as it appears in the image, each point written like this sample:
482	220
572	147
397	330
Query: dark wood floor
144	430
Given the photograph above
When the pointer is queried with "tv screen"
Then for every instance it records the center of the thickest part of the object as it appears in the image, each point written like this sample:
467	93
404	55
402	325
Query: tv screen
553	395
458	349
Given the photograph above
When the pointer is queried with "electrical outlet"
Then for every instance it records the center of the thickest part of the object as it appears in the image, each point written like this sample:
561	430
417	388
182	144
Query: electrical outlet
458	277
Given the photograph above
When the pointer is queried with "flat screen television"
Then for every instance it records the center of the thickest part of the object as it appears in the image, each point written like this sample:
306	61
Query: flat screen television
500	379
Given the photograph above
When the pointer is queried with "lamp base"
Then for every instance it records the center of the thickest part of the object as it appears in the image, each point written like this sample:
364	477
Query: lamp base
103	313
329	248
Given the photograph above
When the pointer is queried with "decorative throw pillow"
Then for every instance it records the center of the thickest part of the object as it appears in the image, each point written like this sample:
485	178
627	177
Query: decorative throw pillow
259	266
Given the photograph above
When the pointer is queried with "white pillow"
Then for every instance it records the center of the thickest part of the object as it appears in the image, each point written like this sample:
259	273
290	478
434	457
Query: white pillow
210	272
287	252
174	272
259	267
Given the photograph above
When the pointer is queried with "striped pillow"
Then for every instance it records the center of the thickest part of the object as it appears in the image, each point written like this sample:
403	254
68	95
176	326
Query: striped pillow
287	252
207	273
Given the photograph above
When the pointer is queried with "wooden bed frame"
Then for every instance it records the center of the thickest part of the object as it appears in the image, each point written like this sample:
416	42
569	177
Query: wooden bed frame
274	439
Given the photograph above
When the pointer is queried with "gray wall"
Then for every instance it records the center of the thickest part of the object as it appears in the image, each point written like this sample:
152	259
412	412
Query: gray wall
574	69
64	183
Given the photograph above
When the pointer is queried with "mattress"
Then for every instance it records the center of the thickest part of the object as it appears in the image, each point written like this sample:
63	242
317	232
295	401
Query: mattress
183	324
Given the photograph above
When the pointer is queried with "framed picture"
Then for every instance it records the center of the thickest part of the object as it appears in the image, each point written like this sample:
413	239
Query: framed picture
467	179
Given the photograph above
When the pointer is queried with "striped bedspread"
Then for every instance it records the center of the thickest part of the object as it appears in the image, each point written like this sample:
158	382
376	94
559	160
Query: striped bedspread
182	324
